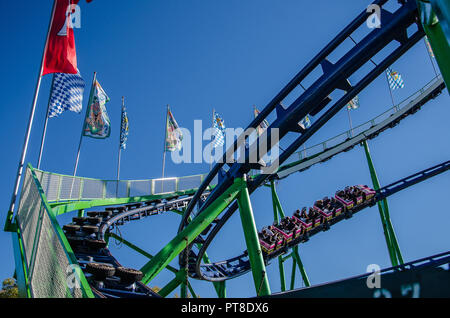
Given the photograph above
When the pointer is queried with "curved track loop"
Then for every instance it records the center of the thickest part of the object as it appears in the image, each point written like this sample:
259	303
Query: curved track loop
231	268
312	101
316	97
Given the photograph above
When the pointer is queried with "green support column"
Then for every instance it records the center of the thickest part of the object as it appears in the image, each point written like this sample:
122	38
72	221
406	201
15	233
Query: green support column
221	289
183	291
173	284
80	213
278	211
435	18
294	266
252	241
383	208
194	295
299	262
197	226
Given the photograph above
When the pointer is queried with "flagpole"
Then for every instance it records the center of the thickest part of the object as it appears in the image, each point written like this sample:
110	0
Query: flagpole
429	55
390	90
31	118
82	129
44	132
350	121
164	154
210	154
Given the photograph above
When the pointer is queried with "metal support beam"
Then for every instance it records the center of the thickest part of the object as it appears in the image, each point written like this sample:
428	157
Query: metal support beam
221	289
251	239
294	266
183	290
299	262
435	18
383	208
277	213
194	229
173	284
139	250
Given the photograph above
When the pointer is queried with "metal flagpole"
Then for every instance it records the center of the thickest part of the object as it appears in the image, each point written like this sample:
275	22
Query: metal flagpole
212	145
428	48
350	121
390	90
82	129
31	118
164	154
44	132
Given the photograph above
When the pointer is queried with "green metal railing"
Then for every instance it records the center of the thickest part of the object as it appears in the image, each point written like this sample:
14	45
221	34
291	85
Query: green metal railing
64	188
317	149
49	267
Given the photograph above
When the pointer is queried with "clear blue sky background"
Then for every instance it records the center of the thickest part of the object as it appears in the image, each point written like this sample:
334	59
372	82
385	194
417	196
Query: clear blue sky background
230	55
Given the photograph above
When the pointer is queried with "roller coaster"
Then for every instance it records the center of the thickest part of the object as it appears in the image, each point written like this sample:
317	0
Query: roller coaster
44	250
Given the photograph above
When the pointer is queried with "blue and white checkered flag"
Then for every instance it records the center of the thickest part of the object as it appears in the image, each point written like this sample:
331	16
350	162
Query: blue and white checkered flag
219	131
395	79
67	94
305	122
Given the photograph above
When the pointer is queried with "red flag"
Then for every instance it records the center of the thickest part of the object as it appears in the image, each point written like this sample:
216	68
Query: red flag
60	55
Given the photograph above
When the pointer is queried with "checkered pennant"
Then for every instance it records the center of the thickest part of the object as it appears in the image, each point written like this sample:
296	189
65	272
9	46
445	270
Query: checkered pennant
67	94
219	131
395	79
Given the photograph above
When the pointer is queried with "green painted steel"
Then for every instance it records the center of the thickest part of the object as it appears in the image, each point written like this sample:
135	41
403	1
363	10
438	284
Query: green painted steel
139	250
294	266
85	288
253	247
278	210
10	225
279	213
183	290
194	295
21	265
376	186
221	289
62	208
435	18
388	229
299	262
198	225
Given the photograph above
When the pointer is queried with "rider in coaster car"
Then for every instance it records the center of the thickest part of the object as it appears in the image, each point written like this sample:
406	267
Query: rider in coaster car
303	214
312	214
319	203
287	224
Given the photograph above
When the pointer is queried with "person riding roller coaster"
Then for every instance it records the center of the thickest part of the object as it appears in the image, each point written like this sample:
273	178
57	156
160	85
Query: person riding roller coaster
287	225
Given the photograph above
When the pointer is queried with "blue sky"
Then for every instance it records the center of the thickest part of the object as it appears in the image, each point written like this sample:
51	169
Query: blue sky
198	55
